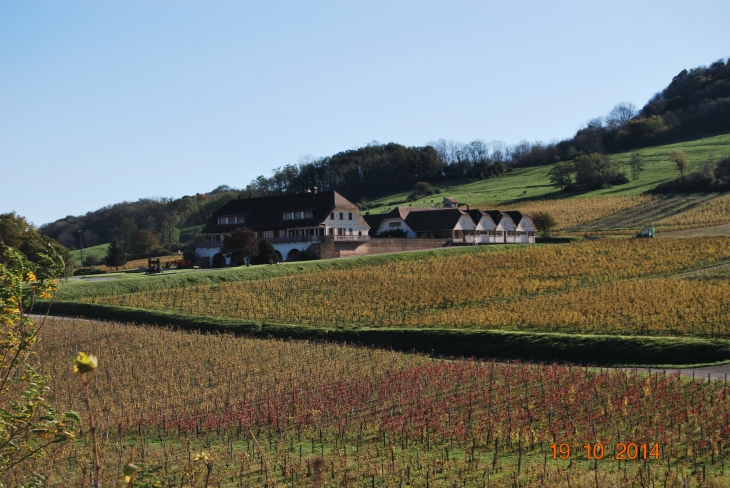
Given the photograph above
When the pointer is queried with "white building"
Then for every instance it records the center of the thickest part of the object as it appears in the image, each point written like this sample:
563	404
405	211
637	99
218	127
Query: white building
291	223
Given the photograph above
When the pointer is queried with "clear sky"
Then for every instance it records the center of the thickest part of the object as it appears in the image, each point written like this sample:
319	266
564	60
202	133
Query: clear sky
106	101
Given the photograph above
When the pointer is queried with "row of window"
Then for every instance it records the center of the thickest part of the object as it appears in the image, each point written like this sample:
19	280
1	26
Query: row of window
231	219
302	214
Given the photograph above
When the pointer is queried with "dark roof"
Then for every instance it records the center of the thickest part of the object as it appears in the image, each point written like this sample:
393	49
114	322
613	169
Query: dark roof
268	212
515	216
495	214
477	216
421	220
374	222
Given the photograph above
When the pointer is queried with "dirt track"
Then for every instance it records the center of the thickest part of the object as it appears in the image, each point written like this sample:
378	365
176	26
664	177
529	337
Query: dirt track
721	372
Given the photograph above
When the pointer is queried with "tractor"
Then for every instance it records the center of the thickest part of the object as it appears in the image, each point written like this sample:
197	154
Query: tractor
646	232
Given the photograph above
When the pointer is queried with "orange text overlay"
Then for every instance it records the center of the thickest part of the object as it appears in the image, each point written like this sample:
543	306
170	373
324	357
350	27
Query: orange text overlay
621	451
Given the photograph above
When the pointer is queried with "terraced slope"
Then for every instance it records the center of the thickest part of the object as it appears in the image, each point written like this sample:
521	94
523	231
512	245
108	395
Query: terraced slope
646	214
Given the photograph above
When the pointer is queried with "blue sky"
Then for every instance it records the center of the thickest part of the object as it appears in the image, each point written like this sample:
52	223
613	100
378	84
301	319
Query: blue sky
102	102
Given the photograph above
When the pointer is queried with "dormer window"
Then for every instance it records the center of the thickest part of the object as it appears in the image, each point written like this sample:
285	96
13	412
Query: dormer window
300	214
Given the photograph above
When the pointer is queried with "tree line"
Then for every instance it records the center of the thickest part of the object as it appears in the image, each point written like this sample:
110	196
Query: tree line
140	227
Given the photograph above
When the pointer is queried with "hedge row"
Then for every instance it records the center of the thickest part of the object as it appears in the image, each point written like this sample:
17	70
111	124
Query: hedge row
601	350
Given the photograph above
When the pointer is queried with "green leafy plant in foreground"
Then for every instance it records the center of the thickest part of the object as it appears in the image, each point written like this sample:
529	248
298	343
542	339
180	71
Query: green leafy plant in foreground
29	424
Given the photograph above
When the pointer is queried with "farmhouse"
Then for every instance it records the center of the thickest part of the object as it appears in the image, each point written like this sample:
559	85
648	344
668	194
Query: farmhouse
290	222
331	226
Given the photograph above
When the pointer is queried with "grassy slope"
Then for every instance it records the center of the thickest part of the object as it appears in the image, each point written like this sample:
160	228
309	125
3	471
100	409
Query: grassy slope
99	250
511	186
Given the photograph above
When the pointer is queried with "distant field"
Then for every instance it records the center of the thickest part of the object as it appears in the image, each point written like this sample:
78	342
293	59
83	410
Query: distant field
573	212
661	209
533	184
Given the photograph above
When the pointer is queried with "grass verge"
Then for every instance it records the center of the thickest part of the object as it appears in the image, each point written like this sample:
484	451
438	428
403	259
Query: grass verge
599	350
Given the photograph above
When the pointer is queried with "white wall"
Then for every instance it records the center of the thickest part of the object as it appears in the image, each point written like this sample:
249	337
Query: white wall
385	227
357	224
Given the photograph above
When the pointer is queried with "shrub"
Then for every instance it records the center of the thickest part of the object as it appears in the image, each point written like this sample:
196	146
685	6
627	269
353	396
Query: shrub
267	254
91	260
422	189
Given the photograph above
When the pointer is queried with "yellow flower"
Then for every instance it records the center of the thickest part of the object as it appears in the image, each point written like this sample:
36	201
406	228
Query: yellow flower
85	363
129	470
31	276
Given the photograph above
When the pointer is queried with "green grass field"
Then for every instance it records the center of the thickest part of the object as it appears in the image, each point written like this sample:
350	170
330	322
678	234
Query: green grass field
533	183
99	250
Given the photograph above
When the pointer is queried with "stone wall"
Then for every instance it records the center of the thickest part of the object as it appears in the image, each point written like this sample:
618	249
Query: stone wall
385	245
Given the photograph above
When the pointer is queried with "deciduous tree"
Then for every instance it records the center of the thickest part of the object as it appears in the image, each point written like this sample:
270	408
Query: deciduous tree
561	175
144	241
544	222
637	164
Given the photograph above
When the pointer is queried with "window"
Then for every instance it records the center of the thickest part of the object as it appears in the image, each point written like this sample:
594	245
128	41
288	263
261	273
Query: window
222	220
331	231
268	234
349	231
349	216
394	225
332	216
342	216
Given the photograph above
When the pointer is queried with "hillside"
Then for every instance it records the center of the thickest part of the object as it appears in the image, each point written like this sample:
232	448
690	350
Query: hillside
527	184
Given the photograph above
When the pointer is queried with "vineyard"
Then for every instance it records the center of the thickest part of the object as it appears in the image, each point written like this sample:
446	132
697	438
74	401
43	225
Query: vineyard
286	413
712	212
648	213
608	286
571	212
